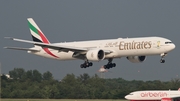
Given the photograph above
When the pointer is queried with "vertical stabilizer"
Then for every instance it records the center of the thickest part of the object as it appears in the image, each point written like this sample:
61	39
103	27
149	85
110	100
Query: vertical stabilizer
36	32
38	36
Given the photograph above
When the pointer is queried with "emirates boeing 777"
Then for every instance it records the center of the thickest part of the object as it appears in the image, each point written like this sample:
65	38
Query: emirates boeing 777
134	49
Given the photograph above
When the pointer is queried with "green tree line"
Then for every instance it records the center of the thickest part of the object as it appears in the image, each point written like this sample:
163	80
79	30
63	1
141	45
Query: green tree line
33	84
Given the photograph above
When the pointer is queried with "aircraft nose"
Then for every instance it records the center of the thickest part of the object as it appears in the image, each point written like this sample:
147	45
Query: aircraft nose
126	97
170	47
173	46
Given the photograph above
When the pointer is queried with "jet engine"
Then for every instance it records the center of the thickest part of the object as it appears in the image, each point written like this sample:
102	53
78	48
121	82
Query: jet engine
136	59
95	55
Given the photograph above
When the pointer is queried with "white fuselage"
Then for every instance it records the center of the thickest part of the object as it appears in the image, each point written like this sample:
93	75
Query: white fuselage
152	95
121	47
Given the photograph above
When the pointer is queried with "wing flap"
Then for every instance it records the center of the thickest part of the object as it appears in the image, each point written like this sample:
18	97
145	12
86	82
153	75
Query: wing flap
61	47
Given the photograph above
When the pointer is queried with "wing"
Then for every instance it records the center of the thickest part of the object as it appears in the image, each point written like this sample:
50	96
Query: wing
56	47
25	49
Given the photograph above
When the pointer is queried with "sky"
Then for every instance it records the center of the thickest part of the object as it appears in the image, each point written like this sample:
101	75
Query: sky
76	20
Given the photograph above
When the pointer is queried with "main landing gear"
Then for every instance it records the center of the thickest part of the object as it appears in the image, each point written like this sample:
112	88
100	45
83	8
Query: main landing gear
110	64
86	64
162	57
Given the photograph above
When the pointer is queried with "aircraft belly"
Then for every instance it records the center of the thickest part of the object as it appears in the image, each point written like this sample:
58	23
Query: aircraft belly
65	56
137	52
56	55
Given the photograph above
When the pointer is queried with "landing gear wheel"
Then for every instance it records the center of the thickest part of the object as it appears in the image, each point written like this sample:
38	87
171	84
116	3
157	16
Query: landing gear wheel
86	64
113	65
162	61
110	64
90	64
106	66
82	65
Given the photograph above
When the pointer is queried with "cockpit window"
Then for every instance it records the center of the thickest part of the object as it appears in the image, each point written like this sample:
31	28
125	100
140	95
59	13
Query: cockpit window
168	42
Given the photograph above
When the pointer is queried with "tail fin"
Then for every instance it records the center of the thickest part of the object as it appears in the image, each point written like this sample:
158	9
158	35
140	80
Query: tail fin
36	32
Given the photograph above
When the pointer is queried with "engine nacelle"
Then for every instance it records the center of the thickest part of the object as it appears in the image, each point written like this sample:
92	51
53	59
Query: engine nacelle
136	59
95	55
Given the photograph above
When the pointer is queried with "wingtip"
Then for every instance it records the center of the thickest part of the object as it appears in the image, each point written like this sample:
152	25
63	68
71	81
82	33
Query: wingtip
9	38
5	47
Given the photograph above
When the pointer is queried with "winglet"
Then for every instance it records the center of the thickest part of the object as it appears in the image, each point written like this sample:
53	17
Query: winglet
179	89
5	47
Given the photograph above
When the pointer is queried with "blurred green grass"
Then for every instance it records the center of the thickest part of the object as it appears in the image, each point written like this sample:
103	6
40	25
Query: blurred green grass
63	100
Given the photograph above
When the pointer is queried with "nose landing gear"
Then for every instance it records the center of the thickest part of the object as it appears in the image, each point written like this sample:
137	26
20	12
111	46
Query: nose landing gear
162	61
162	57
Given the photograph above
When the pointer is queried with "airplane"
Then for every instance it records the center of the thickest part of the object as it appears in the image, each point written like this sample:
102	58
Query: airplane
134	49
102	70
155	95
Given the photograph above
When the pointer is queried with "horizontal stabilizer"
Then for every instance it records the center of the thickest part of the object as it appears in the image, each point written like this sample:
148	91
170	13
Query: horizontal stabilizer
25	49
20	40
